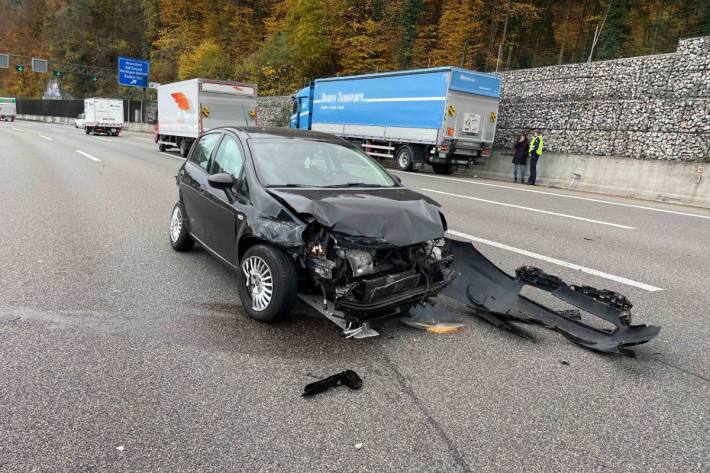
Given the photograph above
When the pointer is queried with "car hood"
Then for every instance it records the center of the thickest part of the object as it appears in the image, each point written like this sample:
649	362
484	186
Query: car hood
393	216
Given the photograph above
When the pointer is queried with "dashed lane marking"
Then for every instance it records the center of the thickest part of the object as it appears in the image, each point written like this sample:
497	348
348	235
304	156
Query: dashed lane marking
89	156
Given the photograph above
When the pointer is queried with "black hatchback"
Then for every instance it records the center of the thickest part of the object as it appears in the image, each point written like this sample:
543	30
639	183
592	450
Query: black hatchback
297	212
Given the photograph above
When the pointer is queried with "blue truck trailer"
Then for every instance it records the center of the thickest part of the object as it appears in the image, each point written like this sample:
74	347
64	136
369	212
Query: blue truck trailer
442	116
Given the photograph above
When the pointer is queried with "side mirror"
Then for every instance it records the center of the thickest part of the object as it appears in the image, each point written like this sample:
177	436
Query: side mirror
221	180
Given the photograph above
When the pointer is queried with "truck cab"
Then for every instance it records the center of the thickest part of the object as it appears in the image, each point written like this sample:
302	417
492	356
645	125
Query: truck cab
301	113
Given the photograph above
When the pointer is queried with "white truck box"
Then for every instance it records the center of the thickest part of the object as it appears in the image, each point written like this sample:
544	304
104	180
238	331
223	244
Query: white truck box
8	108
189	107
103	116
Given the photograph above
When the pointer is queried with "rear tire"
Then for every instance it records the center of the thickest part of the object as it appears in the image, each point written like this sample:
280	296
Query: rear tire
264	268
184	148
162	147
404	158
180	240
86	130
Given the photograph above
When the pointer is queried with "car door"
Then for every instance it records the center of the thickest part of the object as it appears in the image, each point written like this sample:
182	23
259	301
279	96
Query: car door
193	184
224	213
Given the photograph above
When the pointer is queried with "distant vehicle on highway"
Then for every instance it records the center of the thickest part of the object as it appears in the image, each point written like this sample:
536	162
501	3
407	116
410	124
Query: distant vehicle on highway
187	108
79	121
442	116
103	116
304	211
8	108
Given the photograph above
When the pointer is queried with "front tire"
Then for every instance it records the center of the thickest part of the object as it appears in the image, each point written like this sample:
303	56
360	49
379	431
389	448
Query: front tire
180	240
267	283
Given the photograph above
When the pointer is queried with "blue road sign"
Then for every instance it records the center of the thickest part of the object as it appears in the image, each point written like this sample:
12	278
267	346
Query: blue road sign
133	72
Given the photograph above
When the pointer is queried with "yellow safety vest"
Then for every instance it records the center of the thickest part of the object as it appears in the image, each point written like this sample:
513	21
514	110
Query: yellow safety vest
539	147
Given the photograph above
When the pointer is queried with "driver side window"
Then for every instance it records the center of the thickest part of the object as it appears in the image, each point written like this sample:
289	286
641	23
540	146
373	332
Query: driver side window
203	150
229	158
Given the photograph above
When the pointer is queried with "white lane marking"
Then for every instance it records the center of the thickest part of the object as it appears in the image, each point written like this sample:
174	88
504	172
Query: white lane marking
89	156
547	259
141	138
530	209
17	129
565	196
45	137
172	156
102	139
57	129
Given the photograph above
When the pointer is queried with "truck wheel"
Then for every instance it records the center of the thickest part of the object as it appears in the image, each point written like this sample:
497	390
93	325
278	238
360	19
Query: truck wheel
443	168
184	148
162	147
404	157
180	240
267	282
87	131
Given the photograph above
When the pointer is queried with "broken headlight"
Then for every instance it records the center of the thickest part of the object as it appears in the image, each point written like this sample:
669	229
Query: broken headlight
361	261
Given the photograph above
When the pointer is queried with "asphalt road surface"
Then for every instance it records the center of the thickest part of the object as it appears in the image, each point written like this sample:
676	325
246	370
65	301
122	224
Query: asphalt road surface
119	354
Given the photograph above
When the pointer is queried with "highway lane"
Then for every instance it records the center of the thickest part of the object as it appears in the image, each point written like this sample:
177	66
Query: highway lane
111	339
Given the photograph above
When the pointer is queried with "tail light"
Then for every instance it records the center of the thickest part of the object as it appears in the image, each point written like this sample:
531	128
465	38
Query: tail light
486	152
444	148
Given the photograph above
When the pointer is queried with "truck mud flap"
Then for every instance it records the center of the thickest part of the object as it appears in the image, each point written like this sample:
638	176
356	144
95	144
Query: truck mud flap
495	297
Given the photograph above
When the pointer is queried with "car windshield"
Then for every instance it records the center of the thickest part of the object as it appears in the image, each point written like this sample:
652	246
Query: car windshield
309	163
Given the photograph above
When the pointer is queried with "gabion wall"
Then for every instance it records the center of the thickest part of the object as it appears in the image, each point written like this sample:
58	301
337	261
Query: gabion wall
649	107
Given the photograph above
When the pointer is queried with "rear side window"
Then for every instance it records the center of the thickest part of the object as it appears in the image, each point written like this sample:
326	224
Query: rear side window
229	158
203	150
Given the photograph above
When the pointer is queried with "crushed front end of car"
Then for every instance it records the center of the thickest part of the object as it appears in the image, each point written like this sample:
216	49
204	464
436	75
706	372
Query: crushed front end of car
366	279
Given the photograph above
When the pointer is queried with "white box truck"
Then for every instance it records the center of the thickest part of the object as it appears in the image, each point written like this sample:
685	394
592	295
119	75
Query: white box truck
103	116
189	107
8	108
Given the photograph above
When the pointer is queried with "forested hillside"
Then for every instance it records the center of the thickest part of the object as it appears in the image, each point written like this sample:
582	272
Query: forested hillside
280	44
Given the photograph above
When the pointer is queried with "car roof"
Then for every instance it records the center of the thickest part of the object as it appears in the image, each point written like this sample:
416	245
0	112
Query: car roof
263	132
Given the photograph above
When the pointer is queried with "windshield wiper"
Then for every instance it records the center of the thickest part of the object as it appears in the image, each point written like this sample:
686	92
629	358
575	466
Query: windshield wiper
288	185
356	184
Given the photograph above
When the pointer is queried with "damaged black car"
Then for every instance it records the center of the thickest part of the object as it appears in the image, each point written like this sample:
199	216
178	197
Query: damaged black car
309	215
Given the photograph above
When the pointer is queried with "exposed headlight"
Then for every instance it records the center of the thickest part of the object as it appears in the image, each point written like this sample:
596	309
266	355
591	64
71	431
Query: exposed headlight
361	262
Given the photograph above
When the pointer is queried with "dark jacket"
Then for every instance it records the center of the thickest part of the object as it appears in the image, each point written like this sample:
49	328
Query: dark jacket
521	152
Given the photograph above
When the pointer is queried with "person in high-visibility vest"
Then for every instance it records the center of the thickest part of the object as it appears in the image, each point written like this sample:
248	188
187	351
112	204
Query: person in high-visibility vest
535	152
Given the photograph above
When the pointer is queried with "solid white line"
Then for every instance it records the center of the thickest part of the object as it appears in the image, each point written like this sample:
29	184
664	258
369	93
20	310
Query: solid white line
584	269
172	156
588	199
530	209
89	156
45	137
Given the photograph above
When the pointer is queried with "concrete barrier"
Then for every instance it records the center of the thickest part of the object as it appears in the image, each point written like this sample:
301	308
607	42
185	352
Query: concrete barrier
664	181
137	127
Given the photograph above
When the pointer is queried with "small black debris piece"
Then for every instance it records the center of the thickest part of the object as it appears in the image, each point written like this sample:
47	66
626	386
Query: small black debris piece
564	362
348	377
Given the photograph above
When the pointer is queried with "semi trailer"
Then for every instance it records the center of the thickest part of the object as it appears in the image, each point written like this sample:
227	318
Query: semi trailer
442	116
189	107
